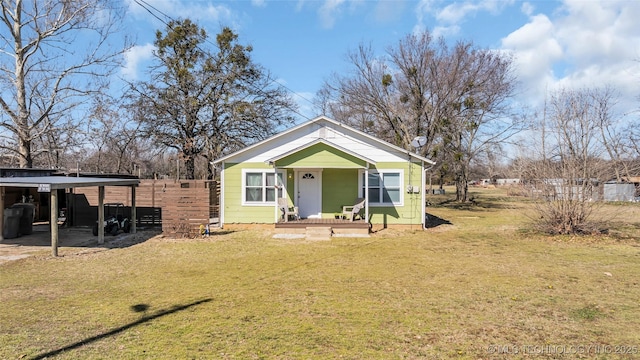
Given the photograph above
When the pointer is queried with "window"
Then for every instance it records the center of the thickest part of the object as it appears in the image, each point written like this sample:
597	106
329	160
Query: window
260	186
385	187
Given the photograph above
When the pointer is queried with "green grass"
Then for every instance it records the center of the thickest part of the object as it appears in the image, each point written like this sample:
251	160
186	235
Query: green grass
452	291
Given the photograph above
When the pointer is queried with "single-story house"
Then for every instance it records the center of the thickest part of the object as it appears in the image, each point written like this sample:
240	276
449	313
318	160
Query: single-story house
319	167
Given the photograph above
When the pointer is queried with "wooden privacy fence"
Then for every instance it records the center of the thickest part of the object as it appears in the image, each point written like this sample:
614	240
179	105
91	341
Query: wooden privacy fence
180	206
185	208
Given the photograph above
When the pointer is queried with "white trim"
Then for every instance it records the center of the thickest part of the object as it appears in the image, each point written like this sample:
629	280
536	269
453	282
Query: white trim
276	209
368	186
366	192
326	142
265	171
222	196
423	199
335	123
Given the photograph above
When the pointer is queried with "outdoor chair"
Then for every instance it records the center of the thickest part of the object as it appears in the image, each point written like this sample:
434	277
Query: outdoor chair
287	210
353	210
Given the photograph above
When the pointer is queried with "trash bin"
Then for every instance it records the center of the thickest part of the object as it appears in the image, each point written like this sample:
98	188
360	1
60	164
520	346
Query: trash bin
26	220
11	223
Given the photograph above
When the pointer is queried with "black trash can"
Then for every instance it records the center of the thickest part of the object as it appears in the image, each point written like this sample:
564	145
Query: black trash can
26	220
11	223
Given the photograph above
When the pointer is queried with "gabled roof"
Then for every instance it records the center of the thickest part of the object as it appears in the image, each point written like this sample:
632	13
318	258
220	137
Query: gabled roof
369	138
321	141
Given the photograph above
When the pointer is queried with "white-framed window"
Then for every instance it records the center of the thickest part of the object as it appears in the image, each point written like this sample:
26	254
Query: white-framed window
385	187
260	187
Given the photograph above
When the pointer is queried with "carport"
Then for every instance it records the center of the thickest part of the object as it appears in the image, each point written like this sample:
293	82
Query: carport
51	185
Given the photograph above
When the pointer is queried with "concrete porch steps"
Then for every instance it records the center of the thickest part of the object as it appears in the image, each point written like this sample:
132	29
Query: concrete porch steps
318	233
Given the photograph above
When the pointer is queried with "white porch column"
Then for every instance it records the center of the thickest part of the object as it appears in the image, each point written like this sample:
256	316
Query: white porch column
221	200
366	193
100	215
53	221
423	198
277	209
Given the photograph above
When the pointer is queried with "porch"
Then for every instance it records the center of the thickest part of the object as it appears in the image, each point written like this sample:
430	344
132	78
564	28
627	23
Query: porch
322	229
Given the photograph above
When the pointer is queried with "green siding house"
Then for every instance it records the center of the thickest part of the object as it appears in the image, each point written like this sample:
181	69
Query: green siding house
319	167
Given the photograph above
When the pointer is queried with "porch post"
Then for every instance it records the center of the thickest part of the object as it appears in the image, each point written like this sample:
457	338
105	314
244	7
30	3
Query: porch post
100	215
221	199
1	213
53	221
134	215
276	208
423	198
366	193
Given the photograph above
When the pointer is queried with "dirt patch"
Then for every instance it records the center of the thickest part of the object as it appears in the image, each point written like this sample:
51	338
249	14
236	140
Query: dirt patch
79	238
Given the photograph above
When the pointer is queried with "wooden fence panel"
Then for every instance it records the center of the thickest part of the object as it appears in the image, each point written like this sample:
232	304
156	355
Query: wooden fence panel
185	209
180	206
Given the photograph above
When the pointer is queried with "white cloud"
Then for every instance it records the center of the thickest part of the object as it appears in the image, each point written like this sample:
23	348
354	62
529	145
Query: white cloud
582	44
445	31
133	57
448	19
458	11
535	51
527	8
259	3
329	11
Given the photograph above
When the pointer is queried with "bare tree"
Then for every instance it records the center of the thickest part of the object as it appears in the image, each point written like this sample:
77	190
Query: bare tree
616	133
571	165
114	133
53	140
54	53
457	97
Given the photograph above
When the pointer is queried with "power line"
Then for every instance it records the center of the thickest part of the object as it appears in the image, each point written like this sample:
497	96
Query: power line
153	11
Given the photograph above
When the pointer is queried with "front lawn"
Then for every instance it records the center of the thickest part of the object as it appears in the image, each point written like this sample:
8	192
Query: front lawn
475	285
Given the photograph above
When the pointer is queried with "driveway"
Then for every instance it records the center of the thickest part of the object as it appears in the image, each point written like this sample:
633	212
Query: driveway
39	242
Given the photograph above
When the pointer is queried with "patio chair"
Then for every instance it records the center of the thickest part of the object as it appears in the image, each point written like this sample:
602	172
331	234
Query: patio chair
287	210
353	210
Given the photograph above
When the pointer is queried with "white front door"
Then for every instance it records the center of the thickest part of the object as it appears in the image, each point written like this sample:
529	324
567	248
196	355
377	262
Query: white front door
309	194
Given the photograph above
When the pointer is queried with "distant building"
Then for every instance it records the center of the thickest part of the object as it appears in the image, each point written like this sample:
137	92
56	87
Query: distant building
504	182
619	192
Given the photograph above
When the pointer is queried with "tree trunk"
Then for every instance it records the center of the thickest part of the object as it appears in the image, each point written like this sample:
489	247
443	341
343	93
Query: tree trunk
461	190
24	148
22	118
190	168
462	187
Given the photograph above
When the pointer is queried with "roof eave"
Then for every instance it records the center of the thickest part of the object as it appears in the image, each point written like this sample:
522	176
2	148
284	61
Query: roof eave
320	141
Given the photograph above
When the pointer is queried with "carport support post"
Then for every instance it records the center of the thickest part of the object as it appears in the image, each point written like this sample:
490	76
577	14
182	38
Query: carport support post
1	213
100	215
53	221
134	217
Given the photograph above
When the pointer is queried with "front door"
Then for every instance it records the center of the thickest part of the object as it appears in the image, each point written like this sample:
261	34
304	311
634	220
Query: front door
309	194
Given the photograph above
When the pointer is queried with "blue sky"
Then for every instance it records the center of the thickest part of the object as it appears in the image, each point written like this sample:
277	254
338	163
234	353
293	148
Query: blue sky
570	43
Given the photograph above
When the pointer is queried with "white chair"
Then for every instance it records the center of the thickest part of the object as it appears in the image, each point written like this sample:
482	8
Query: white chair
353	210
287	210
